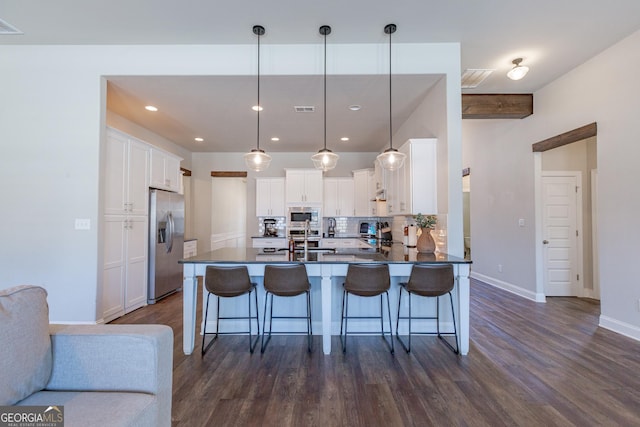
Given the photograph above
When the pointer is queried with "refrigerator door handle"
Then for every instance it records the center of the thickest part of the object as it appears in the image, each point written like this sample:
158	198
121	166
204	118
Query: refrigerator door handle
171	228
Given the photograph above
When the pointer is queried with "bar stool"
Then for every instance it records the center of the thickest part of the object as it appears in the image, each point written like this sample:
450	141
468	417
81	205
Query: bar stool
366	280
429	280
287	280
229	282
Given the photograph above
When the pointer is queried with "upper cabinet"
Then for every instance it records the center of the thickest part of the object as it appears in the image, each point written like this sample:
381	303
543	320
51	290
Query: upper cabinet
338	197
303	187
165	171
364	192
270	197
416	182
126	175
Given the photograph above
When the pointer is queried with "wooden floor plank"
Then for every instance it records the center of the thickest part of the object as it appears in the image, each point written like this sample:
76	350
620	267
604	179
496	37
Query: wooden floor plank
529	364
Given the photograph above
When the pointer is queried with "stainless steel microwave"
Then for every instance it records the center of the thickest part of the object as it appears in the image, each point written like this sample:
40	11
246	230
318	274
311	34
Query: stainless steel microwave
298	216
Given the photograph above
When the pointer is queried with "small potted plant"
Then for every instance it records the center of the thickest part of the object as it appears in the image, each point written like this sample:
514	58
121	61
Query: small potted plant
425	243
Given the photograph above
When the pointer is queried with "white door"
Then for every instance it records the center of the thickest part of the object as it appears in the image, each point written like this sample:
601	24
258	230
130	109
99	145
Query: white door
560	234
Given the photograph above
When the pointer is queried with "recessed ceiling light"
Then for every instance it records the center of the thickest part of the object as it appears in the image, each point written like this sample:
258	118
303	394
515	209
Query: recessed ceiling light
257	108
275	139
198	139
151	108
354	107
344	138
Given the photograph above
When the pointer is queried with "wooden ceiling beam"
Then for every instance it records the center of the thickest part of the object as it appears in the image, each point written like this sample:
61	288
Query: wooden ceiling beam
497	106
584	132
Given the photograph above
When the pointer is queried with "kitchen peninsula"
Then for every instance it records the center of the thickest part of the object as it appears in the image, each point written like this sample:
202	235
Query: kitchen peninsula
330	267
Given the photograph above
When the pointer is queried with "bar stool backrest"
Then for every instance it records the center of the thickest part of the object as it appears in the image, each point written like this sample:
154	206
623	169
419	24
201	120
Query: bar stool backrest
367	279
227	281
286	280
431	280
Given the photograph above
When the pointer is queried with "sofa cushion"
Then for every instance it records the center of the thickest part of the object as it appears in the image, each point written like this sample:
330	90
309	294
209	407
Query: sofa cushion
97	409
25	345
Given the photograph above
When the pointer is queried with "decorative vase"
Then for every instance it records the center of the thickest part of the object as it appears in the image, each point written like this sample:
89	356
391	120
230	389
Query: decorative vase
426	244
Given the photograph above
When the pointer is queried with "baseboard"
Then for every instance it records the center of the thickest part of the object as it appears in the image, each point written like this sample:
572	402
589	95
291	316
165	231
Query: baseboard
66	322
619	327
509	287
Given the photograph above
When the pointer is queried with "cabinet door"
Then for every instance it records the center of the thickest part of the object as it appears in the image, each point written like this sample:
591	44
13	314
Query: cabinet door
423	193
138	179
313	186
361	193
263	197
346	202
330	205
136	269
115	188
277	197
403	184
295	185
114	271
156	178
172	174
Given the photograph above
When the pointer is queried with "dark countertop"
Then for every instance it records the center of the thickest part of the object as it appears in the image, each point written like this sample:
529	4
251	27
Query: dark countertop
267	237
395	253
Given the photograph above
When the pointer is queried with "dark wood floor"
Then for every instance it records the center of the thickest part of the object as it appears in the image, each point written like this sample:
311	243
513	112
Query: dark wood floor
529	364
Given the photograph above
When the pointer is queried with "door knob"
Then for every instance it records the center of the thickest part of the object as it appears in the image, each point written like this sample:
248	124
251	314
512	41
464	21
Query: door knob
545	242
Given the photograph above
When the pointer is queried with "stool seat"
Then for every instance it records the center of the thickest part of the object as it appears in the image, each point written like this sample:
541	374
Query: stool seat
287	280
366	280
428	280
228	282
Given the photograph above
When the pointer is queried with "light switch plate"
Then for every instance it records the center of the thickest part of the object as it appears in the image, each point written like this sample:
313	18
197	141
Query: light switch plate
83	224
521	222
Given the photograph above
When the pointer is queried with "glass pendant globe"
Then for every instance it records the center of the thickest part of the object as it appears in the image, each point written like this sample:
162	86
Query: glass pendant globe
257	160
391	159
325	159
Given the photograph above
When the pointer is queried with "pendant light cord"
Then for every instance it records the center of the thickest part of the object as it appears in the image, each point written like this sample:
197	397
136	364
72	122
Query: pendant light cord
390	116
258	130
325	91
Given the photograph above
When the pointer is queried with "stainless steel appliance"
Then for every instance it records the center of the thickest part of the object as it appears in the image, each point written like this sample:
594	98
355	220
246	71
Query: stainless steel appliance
331	230
166	243
297	217
270	227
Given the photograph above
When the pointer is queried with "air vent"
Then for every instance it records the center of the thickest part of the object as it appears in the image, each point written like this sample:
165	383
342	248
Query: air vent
304	108
473	77
6	28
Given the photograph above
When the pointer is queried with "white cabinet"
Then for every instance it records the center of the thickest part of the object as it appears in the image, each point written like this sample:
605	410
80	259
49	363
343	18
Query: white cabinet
124	286
190	248
165	171
364	192
126	175
270	197
344	243
266	242
416	184
338	197
303	187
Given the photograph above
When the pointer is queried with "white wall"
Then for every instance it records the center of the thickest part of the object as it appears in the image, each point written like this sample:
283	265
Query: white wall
501	161
52	117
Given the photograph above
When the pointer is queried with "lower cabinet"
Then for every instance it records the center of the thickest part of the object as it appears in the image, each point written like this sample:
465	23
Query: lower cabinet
266	242
343	243
124	286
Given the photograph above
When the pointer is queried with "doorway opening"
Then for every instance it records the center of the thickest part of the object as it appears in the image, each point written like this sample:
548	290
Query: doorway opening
566	215
228	211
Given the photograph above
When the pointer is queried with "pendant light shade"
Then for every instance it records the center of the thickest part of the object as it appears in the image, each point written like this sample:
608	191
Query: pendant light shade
325	159
257	159
391	159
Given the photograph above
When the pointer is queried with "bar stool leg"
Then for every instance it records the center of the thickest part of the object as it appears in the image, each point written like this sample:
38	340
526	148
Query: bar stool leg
404	346
390	327
345	319
309	326
204	332
252	342
264	319
456	350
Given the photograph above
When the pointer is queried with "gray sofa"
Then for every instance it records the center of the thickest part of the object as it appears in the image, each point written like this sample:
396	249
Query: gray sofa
102	375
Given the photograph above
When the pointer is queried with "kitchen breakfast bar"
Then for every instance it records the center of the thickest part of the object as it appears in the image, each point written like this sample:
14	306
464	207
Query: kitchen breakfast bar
326	271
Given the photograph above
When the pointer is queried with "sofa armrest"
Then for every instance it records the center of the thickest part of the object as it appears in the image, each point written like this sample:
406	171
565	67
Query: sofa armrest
136	358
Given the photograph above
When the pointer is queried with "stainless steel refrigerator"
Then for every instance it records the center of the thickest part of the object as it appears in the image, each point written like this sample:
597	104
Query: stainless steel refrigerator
166	243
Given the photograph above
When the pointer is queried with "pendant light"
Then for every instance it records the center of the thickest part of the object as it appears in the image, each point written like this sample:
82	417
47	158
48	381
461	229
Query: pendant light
257	159
391	159
325	159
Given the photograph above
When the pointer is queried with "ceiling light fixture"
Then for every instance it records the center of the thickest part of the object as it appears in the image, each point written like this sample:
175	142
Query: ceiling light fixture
151	108
325	159
354	107
391	159
198	139
344	138
275	139
518	71
256	108
257	159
